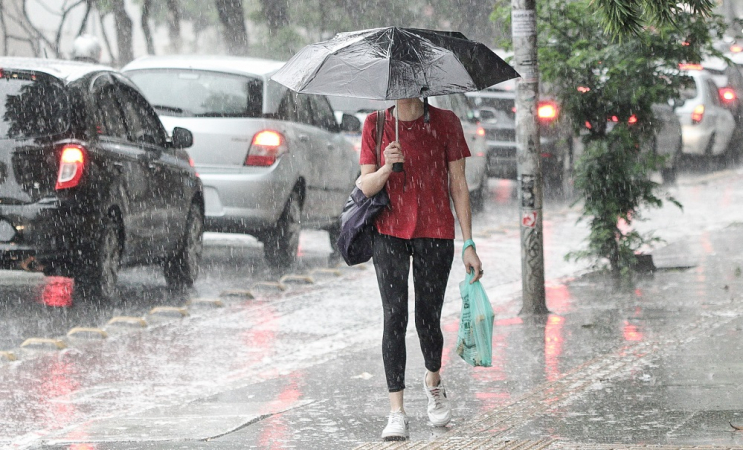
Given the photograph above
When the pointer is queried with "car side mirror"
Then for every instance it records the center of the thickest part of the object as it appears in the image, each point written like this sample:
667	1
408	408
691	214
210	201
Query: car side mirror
350	124
487	114
182	138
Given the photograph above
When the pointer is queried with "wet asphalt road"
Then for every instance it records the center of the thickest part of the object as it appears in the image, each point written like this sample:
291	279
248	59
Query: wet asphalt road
302	352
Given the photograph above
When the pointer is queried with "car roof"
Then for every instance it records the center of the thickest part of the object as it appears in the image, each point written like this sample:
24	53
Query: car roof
67	71
229	64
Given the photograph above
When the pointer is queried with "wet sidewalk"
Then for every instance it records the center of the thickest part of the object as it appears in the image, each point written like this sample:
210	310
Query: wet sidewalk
655	365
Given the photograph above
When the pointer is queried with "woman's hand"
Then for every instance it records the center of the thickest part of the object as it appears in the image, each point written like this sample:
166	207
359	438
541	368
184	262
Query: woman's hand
472	262
393	154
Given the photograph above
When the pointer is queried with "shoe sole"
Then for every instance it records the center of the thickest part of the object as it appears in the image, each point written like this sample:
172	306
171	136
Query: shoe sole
394	438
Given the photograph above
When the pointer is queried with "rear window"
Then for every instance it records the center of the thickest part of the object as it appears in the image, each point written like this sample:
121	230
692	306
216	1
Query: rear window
688	88
195	93
32	105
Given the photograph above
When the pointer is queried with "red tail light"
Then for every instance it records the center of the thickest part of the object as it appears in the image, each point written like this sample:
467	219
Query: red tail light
632	119
727	95
688	66
547	111
71	166
266	148
480	131
698	114
735	48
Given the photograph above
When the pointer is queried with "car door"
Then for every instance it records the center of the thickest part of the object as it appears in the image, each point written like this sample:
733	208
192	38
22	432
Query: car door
124	161
166	203
336	171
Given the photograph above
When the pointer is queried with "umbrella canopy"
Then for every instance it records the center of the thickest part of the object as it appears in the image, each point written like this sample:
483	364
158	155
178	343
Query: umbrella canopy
393	63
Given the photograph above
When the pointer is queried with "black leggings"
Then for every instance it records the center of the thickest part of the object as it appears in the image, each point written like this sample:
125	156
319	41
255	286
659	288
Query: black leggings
432	260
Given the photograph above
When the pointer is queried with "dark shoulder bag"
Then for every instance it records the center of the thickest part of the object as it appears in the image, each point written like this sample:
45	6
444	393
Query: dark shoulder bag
357	218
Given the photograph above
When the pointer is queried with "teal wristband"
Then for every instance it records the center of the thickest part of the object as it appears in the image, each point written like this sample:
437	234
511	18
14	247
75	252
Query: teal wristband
468	243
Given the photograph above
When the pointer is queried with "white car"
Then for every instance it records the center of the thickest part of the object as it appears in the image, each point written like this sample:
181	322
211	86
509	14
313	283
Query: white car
706	125
476	164
271	161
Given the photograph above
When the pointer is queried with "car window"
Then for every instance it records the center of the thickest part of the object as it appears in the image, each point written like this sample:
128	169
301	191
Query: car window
461	107
32	105
109	120
142	124
303	110
200	93
688	89
322	113
287	107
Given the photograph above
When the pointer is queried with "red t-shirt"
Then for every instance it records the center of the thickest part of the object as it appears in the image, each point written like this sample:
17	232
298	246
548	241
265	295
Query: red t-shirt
419	196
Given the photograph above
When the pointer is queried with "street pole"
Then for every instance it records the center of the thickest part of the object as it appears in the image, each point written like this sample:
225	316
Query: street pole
524	33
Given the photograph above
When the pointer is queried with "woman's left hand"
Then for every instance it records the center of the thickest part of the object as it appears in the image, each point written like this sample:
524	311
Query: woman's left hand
472	262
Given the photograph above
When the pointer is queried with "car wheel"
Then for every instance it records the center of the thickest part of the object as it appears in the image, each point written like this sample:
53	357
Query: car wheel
102	275
478	196
281	245
182	268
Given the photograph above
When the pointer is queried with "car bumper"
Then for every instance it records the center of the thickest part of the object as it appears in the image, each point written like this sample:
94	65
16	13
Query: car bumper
695	139
503	160
243	201
44	231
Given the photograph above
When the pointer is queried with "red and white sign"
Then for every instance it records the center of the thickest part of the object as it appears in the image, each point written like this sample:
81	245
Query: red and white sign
529	220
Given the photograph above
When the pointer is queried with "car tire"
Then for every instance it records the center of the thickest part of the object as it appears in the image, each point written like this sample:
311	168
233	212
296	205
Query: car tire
182	268
102	271
281	244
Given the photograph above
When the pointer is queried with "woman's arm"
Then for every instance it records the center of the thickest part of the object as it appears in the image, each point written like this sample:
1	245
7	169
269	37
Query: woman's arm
460	195
372	180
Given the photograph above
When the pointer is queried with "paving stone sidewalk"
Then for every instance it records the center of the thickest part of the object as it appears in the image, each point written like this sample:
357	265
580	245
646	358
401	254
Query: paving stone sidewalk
670	380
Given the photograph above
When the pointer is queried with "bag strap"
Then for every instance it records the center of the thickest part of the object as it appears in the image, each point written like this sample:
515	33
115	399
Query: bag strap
380	134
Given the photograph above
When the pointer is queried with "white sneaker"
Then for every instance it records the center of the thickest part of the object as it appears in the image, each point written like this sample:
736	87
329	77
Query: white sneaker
397	428
439	410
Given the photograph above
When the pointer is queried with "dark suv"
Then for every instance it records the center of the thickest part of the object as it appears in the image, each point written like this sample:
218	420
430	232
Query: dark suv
497	112
89	180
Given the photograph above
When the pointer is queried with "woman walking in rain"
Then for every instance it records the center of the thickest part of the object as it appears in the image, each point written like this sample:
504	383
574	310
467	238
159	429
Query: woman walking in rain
418	225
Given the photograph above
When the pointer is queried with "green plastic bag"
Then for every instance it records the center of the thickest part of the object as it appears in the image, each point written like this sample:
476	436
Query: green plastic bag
475	336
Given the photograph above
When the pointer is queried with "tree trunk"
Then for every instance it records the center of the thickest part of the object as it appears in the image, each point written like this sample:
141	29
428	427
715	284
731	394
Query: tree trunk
232	16
123	32
276	13
146	5
174	25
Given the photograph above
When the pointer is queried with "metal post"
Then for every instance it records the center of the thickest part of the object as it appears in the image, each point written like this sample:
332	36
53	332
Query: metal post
524	32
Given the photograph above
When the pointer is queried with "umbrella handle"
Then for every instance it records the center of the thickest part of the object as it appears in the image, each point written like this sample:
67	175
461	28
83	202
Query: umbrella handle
397	167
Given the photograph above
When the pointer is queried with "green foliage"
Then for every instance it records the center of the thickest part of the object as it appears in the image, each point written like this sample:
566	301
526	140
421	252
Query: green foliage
628	17
612	178
596	76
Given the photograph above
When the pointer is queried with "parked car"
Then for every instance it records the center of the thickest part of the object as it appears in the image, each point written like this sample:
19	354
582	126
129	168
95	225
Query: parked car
706	125
729	82
667	137
89	179
272	161
476	165
496	107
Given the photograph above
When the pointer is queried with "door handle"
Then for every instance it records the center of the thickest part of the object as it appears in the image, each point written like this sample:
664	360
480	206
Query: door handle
303	138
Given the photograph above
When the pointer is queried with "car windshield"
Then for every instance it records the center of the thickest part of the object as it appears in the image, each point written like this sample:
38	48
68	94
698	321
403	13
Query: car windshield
196	93
32	105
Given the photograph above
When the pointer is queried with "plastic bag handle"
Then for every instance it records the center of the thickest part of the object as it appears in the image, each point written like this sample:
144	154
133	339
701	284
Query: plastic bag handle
468	243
